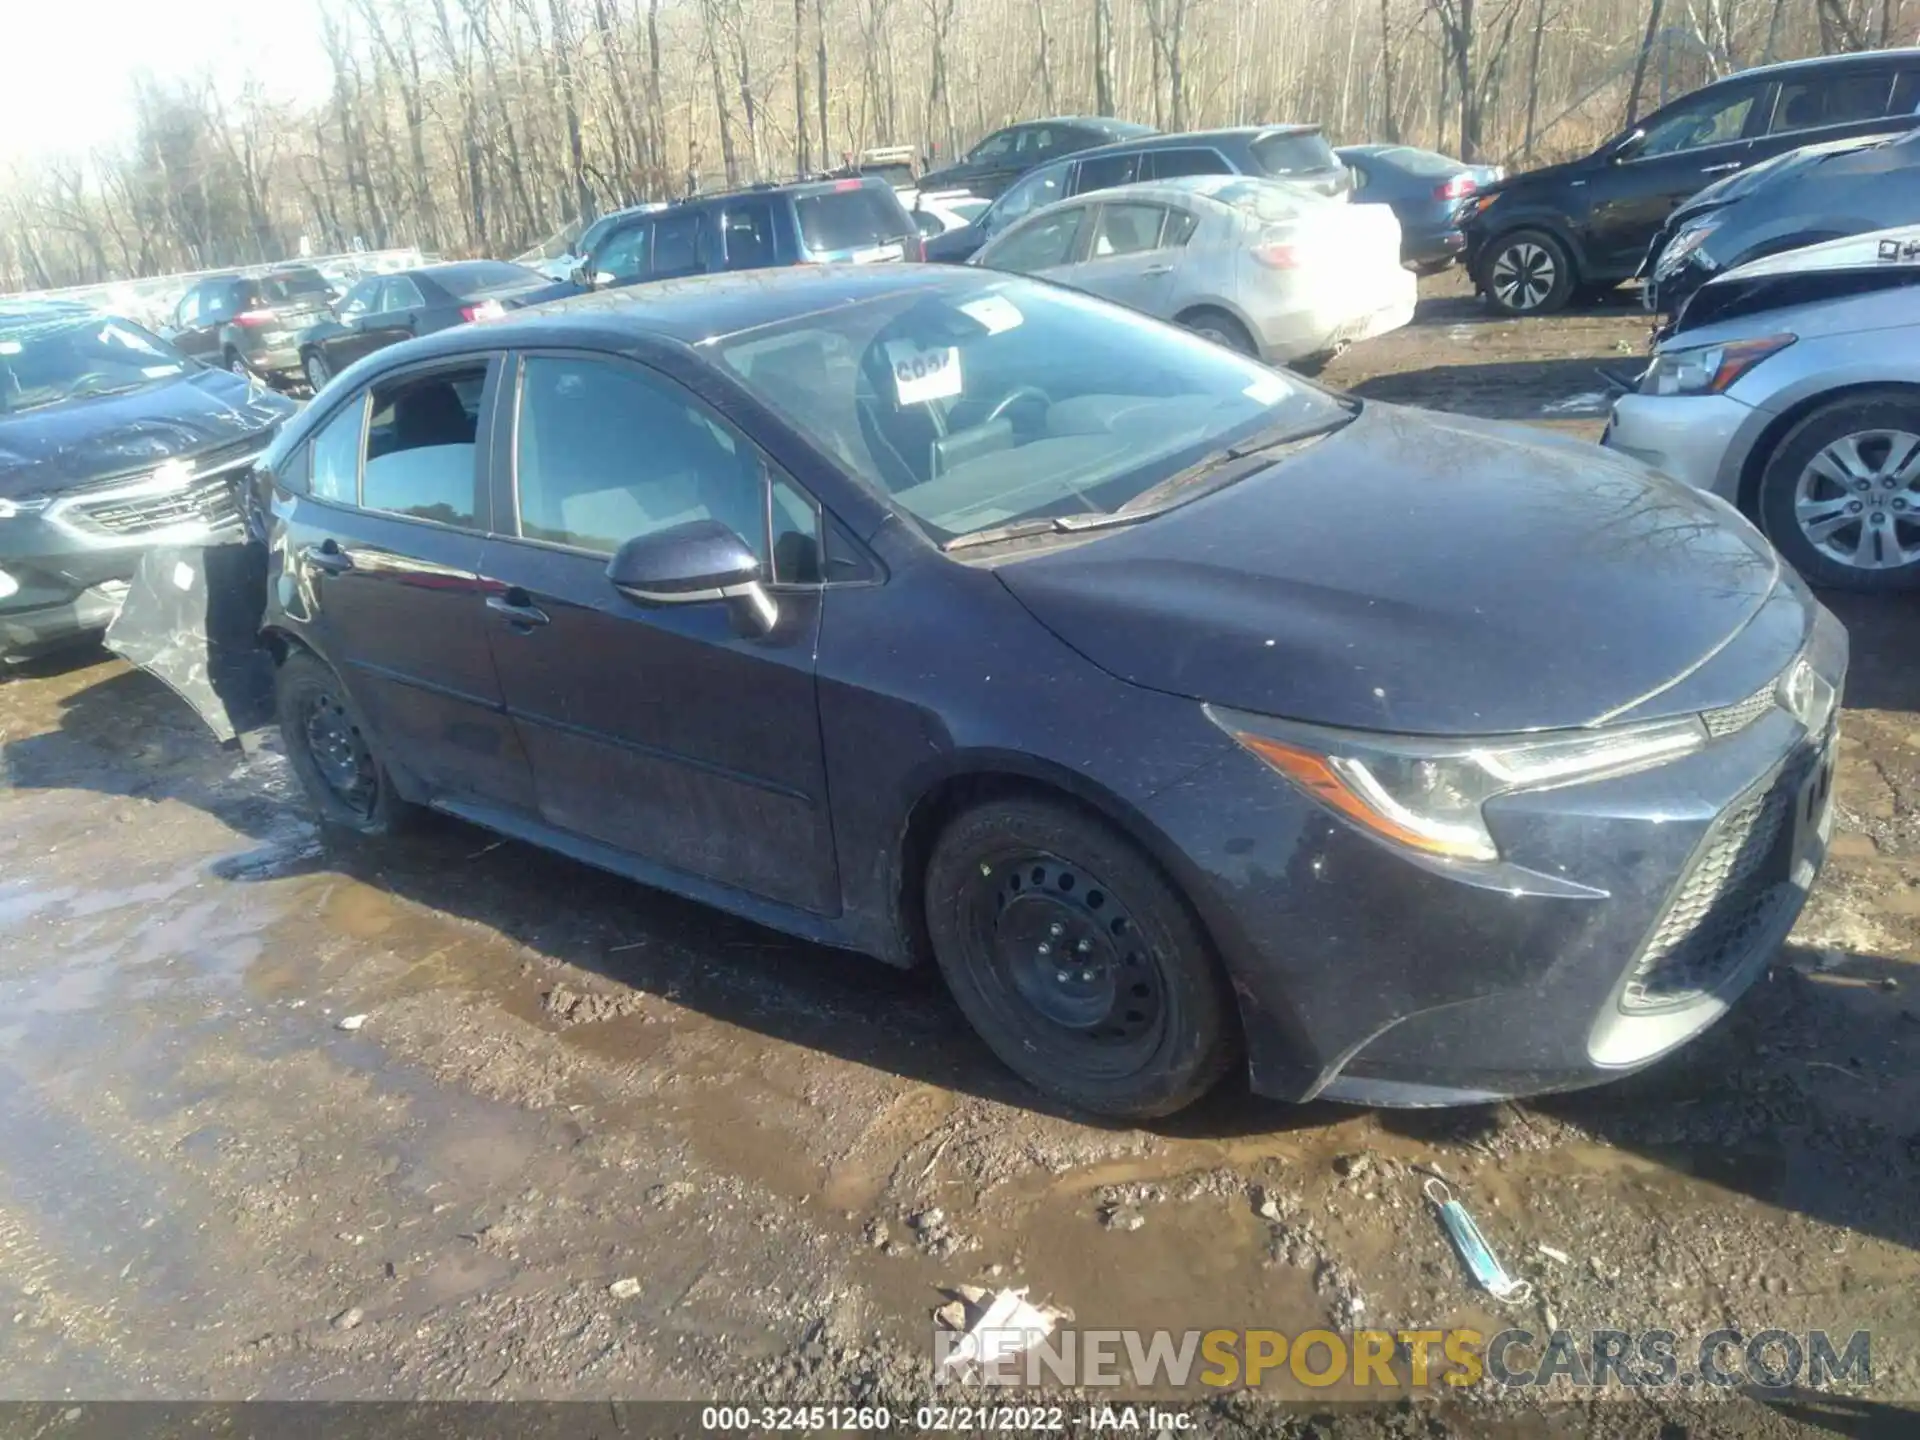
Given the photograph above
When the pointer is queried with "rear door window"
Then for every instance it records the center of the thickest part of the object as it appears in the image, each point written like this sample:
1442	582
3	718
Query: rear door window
1906	94
746	235
1106	171
850	219
1843	99
1126	230
1041	243
1186	160
401	294
1292	154
676	245
420	446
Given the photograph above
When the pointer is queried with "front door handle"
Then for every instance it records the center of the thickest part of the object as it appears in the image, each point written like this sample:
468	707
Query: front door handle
1720	169
329	558
518	609
1158	270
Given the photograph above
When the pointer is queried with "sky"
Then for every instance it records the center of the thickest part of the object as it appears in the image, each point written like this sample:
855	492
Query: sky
67	66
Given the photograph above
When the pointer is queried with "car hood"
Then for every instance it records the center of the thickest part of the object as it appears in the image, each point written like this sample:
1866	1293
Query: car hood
1417	573
58	447
1545	175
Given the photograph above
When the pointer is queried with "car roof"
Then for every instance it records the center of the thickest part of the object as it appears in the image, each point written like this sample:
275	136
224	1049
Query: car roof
821	185
1184	138
694	310
27	311
1820	62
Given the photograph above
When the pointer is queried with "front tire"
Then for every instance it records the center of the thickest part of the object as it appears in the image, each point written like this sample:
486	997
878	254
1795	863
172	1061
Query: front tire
1528	273
1840	495
318	372
238	366
325	741
1076	961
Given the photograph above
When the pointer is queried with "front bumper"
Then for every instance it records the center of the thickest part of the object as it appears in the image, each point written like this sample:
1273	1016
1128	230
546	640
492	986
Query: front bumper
1628	916
1697	439
67	562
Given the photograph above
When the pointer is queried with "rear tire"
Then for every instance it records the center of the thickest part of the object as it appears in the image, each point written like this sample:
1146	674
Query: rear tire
318	372
1222	329
1527	272
325	740
238	366
1840	495
1076	961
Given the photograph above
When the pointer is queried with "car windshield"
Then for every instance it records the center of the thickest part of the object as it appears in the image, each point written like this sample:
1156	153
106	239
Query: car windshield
1292	152
44	361
979	404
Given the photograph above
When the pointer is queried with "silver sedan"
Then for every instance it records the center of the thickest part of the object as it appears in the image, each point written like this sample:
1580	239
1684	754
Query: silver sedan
1268	269
1791	388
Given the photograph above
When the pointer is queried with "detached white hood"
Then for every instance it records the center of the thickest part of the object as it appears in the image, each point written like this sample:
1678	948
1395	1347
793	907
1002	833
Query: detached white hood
1878	249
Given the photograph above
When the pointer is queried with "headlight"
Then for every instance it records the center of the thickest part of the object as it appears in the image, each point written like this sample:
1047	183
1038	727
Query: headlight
1707	369
1808	697
1471	206
1428	794
11	508
1683	245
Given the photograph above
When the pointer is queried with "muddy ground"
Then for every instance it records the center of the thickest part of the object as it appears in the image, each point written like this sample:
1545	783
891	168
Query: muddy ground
218	1180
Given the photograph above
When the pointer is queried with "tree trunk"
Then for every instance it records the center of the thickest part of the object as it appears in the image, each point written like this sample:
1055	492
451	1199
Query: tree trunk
1389	119
1640	62
1044	59
711	23
1533	73
820	88
1103	56
801	159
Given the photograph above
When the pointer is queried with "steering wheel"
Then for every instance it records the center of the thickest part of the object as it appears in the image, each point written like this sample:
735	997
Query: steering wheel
1019	392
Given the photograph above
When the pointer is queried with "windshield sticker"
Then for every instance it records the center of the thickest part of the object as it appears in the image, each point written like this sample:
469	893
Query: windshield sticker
922	375
1268	390
1900	251
996	312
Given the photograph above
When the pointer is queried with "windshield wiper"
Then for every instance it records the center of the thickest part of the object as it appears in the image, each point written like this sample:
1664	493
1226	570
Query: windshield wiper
1221	468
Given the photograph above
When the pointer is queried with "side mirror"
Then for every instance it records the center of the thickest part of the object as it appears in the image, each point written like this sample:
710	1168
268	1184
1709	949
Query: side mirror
583	277
699	561
1624	147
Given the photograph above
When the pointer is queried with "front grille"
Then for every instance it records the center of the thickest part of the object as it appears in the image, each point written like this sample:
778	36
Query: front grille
207	502
1732	893
1733	718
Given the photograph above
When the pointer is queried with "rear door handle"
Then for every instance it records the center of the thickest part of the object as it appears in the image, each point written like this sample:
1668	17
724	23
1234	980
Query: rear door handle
518	609
1720	169
330	558
1158	270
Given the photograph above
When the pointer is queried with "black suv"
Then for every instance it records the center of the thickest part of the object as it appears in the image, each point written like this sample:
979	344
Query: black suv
1538	239
804	223
111	441
1298	154
1005	155
251	324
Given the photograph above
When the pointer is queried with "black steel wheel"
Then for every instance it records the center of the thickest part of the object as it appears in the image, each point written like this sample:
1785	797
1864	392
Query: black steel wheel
1076	961
326	742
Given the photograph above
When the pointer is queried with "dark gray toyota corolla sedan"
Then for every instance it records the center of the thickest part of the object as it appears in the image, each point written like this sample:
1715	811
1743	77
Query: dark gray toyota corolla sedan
1182	712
